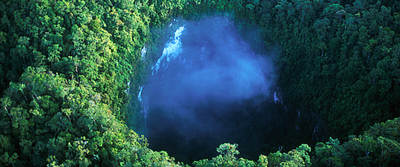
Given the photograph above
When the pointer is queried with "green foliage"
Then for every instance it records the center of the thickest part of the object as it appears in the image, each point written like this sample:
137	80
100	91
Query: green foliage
330	153
375	147
343	50
158	159
295	157
228	150
227	157
64	66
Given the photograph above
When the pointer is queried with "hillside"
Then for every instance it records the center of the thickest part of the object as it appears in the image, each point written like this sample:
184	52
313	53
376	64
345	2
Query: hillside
66	68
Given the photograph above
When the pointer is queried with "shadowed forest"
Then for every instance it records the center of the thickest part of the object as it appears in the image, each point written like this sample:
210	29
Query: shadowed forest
71	72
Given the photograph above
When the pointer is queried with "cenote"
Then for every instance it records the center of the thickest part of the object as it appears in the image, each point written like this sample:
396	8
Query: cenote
210	86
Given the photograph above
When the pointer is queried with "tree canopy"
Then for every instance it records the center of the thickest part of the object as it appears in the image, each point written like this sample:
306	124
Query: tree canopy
65	66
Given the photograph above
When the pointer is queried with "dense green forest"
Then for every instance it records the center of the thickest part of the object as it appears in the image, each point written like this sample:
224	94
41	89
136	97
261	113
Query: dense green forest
65	66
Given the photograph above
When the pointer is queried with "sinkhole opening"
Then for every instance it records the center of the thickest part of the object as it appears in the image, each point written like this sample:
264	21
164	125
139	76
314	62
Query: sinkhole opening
211	87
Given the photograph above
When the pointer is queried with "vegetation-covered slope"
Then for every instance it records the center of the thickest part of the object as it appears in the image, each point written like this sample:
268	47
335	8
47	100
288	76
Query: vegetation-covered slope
64	67
342	60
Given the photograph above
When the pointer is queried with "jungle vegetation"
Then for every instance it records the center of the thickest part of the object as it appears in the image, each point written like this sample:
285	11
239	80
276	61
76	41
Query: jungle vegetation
65	65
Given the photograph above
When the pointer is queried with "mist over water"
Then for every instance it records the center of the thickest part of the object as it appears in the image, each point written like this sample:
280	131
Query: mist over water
207	88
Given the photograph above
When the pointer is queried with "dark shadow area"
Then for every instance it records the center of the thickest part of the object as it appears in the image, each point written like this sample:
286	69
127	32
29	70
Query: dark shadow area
210	87
258	129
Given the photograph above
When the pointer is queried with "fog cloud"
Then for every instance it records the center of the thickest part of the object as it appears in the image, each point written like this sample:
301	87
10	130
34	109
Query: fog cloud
206	72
